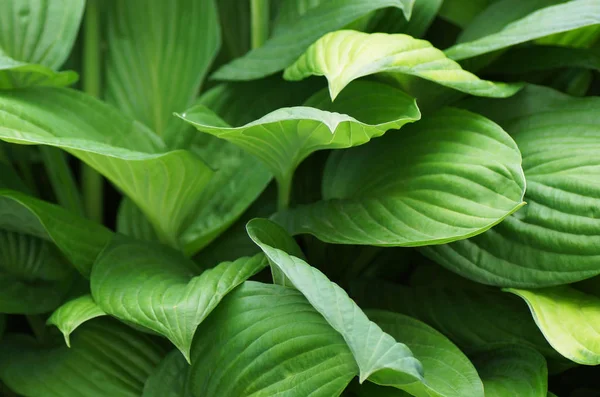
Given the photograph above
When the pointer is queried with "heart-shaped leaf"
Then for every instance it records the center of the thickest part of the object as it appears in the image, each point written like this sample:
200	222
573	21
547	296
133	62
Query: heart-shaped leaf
170	378
554	239
114	359
124	151
79	239
450	176
285	137
568	319
35	39
157	288
346	55
289	42
380	358
74	313
138	79
512	371
265	340
544	22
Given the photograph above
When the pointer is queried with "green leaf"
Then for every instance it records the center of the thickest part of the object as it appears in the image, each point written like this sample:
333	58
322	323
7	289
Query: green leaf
568	319
546	21
513	371
552	240
461	12
346	55
379	357
285	137
154	287
448	372
124	151
34	276
79	239
131	221
423	14
106	359
474	317
74	313
265	340
450	176
158	55
169	378
282	49
36	38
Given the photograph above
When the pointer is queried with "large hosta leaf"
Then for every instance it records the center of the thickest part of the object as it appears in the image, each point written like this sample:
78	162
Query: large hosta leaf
569	319
346	55
475	318
554	239
164	184
170	378
512	371
265	340
36	37
157	288
544	22
289	42
79	239
452	175
158	54
74	313
106	359
34	276
285	137
448	372
380	358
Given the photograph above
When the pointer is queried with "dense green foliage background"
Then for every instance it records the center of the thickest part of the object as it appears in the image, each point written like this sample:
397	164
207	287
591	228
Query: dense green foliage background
300	198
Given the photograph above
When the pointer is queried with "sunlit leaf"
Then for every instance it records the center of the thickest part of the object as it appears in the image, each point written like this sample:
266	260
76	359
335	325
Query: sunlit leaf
74	313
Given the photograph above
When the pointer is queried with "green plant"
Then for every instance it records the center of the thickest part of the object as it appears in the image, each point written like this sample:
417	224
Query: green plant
418	222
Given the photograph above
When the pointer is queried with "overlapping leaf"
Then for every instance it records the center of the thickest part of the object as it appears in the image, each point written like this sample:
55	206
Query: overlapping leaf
36	37
289	43
346	55
544	22
554	239
380	358
159	289
285	137
170	378
513	371
450	176
73	314
79	239
164	184
106	359
265	340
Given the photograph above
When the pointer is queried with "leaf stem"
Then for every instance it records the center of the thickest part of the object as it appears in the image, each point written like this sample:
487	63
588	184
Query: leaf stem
92	182
284	190
61	178
259	11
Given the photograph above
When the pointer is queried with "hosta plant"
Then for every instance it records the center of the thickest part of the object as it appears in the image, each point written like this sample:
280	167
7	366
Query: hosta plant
291	198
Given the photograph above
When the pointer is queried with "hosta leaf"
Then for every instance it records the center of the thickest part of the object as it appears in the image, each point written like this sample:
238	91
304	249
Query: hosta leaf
265	340
2	325
462	12
124	151
546	21
34	276
552	240
106	359
568	319
346	55
513	371
448	372
79	239
74	313
36	37
170	378
131	221
450	176
423	14
282	49
379	356
154	287
158	55
475	318
285	137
